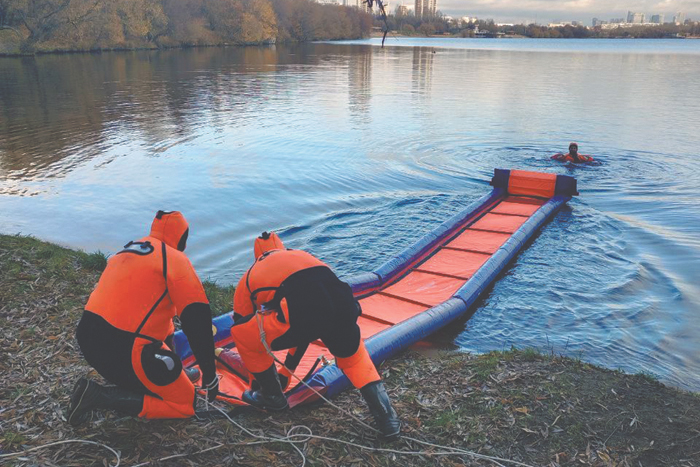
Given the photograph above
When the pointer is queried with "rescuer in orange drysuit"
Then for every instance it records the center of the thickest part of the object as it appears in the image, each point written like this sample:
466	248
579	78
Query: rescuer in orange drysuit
298	299
573	155
127	321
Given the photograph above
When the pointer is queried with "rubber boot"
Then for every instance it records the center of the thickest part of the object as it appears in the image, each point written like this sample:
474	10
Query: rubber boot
270	395
380	407
89	395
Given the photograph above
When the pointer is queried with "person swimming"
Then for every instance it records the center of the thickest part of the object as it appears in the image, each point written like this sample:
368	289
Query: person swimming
573	155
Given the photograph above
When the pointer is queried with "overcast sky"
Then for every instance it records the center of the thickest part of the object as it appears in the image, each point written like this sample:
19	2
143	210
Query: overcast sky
545	11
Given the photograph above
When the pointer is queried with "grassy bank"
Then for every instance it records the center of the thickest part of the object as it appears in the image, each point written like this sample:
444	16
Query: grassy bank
519	405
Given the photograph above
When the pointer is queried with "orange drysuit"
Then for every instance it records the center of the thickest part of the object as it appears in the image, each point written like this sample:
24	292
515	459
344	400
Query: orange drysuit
569	158
299	299
130	315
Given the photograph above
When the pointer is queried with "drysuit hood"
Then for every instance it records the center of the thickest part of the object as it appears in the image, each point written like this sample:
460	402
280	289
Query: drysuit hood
267	242
171	228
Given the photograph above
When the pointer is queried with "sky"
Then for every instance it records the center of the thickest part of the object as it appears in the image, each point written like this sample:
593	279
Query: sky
546	11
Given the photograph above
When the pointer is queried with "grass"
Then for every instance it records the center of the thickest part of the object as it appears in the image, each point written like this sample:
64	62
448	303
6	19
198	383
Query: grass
538	409
220	297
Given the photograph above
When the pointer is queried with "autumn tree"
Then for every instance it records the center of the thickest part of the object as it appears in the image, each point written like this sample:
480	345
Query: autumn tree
42	25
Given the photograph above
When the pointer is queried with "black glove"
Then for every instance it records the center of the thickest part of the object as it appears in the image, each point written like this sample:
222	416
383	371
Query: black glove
211	389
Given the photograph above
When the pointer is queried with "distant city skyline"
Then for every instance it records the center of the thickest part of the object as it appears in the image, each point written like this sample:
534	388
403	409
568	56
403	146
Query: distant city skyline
548	11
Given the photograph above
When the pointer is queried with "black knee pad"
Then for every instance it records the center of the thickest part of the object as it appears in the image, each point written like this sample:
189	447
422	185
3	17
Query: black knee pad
342	342
162	367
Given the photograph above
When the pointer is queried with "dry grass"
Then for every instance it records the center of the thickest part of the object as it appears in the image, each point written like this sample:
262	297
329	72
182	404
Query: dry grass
519	405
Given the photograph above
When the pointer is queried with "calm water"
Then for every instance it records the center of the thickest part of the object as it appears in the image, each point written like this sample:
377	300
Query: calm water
352	152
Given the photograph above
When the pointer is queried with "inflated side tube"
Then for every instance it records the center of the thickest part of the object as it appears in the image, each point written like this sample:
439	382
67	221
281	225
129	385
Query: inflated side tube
487	273
363	281
368	280
392	340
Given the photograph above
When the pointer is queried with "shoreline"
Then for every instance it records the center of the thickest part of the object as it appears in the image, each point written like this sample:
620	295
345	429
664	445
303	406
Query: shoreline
521	405
373	35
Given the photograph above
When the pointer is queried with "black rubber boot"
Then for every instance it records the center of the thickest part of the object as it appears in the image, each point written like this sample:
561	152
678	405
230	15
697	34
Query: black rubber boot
89	395
380	407
270	395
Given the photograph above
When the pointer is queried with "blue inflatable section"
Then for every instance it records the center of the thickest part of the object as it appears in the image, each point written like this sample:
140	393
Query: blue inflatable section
223	325
400	336
392	340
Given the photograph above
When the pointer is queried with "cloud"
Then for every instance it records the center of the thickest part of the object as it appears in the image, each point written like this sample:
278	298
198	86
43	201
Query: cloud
580	10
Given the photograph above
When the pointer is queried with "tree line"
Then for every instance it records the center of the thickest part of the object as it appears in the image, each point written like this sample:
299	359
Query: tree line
28	26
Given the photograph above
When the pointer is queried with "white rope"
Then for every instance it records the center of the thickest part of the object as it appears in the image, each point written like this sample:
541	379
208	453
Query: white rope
451	450
36	448
292	438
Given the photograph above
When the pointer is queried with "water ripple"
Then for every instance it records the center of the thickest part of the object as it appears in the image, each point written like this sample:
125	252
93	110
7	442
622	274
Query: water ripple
353	152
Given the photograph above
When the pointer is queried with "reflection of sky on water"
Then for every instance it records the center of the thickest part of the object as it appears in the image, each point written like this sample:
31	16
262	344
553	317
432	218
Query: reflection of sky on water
353	151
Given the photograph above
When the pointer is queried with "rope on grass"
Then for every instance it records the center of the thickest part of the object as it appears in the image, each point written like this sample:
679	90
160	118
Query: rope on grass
68	441
292	438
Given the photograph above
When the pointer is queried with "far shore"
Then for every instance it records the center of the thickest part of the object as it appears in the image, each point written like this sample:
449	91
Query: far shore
373	35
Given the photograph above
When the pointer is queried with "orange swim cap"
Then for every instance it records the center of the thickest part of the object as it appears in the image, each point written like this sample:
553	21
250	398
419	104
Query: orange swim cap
171	228
267	242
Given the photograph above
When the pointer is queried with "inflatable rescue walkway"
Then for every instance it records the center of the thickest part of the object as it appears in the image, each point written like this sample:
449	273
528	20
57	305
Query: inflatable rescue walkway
424	288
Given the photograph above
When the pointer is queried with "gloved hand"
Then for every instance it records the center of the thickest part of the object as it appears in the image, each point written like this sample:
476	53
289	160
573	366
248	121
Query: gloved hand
211	389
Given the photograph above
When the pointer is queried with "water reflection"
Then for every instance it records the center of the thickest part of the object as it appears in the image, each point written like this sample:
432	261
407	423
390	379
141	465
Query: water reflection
354	151
56	108
360	84
422	75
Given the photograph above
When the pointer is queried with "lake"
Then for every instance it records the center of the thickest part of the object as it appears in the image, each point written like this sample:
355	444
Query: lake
352	151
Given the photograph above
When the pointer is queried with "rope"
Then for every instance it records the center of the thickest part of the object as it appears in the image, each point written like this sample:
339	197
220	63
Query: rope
15	454
293	438
451	450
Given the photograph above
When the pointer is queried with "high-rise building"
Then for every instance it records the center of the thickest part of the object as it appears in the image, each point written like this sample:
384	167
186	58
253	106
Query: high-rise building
425	8
432	7
658	19
418	8
679	18
636	18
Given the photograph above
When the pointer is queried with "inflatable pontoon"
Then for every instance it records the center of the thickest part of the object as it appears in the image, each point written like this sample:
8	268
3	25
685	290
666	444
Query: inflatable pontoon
427	286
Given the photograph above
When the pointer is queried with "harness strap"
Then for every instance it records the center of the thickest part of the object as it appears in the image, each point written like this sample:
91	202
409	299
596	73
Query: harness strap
165	292
273	304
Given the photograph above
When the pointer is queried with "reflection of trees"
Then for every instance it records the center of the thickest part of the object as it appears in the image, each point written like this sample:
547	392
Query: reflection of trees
47	108
65	110
422	75
360	81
